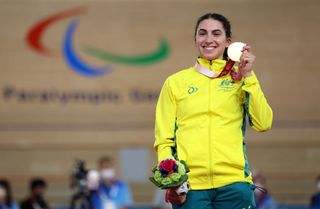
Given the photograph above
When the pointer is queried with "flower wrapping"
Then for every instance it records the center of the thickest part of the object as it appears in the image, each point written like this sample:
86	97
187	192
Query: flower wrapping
169	173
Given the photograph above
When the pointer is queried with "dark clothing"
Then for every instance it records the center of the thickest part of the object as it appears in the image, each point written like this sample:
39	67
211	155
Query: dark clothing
12	206
34	203
315	201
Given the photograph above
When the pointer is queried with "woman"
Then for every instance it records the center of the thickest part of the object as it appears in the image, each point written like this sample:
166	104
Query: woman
203	119
6	201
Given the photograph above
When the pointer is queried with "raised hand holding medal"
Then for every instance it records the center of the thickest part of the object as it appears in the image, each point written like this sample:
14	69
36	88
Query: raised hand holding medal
241	53
246	61
238	52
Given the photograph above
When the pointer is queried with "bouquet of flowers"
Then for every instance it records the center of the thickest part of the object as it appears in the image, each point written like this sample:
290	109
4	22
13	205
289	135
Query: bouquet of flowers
169	173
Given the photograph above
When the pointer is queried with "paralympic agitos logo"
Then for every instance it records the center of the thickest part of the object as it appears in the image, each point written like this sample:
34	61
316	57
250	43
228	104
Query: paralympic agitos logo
72	58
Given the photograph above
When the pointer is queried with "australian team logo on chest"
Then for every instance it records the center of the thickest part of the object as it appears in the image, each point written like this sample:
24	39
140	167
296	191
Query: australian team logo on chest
227	85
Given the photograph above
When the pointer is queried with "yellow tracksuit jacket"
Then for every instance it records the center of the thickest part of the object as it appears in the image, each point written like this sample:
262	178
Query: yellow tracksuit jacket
204	119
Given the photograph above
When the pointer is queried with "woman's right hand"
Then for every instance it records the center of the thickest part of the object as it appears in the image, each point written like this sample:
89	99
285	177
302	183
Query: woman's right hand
174	198
246	61
178	195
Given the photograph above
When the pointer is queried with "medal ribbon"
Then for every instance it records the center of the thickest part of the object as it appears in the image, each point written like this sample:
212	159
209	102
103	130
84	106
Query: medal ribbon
228	68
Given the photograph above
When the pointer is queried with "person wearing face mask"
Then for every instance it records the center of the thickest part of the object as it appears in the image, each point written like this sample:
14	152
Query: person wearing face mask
111	193
6	200
36	200
201	118
315	200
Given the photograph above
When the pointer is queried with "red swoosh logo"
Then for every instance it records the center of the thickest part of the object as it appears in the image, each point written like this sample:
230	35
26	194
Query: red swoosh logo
35	34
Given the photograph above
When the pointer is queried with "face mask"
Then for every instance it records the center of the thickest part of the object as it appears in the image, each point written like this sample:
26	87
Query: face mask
107	174
318	185
3	193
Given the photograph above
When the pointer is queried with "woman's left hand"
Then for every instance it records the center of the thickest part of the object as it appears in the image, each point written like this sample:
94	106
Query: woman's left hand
246	61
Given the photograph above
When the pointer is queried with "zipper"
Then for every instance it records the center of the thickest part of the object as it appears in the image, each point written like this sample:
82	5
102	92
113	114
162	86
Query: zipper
209	129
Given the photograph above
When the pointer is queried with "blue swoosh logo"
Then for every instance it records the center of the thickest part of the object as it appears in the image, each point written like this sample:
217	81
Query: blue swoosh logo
74	61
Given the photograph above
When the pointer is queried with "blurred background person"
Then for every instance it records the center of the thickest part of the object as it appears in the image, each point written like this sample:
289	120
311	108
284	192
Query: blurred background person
315	200
6	199
261	193
111	193
159	200
36	200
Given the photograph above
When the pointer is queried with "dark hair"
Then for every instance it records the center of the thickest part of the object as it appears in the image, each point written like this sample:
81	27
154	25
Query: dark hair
105	159
225	22
36	183
6	186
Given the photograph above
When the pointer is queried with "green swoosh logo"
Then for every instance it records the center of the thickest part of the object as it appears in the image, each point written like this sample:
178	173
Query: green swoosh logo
192	90
159	54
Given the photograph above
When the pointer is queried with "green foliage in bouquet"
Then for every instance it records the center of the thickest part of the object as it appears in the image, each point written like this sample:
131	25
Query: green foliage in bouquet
169	173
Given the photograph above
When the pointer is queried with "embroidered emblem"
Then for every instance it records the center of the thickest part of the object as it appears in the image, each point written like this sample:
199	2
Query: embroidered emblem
192	90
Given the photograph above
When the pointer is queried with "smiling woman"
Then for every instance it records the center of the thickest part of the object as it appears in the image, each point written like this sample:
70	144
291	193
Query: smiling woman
212	36
201	119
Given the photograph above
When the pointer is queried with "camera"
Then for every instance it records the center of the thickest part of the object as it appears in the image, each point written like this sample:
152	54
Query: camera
79	183
79	180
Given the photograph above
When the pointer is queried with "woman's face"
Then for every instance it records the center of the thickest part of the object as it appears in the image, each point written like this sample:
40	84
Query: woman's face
3	195
211	39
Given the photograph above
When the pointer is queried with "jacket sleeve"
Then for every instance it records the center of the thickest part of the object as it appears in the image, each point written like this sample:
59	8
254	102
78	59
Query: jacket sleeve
165	123
259	112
